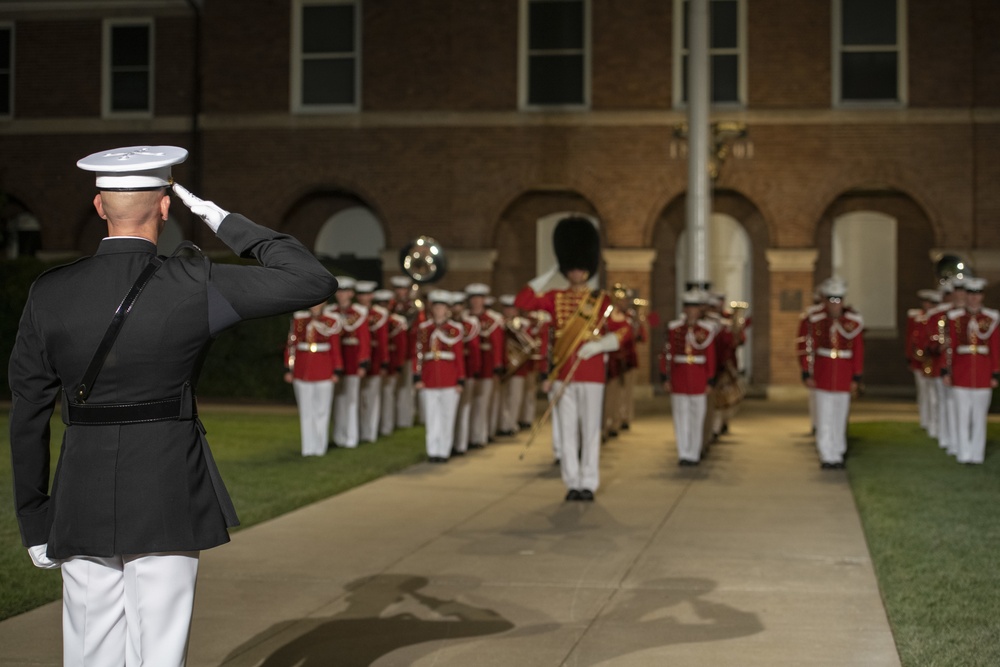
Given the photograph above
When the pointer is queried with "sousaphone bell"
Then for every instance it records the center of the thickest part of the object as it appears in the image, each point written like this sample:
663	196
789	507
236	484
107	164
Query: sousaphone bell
423	259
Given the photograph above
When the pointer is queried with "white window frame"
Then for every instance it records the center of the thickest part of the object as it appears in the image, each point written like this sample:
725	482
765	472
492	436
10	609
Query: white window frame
9	25
109	26
902	61
740	51
524	56
297	57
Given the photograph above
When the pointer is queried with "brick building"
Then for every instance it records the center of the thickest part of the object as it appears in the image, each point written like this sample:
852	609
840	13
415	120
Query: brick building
863	137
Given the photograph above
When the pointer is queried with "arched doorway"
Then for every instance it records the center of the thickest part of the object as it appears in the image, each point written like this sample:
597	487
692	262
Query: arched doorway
730	267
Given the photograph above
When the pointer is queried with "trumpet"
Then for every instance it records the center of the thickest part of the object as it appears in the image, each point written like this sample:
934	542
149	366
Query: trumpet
423	260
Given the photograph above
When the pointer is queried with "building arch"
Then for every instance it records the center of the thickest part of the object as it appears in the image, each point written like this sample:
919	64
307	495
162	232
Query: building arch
732	207
20	229
342	229
516	236
915	239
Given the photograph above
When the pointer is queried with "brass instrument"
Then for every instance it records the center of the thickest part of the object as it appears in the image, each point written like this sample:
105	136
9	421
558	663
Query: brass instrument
423	260
519	346
731	387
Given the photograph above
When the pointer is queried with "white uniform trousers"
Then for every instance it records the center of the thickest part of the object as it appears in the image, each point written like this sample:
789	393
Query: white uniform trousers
611	420
556	434
345	411
812	409
404	398
439	406
387	413
946	418
628	404
460	442
688	412
578	412
512	393
971	407
494	406
370	402
315	402
832	410
128	610
921	387
479	418
935	396
529	404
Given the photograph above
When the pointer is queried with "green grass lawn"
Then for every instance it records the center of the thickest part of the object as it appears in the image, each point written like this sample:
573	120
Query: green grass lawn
258	453
933	528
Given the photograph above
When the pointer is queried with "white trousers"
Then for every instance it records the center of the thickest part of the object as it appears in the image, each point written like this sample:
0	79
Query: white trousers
578	414
128	610
812	409
404	398
927	393
512	393
479	418
314	401
439	406
529	406
345	411
460	442
370	401
387	415
612	405
971	407
494	406
832	409
946	418
688	411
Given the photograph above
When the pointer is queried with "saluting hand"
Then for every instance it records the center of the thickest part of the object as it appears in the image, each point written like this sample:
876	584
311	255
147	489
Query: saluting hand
206	210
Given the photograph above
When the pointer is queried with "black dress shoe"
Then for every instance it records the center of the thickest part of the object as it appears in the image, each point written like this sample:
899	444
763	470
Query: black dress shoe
557	462
506	434
524	426
687	462
455	452
826	465
613	434
573	494
476	445
625	426
586	494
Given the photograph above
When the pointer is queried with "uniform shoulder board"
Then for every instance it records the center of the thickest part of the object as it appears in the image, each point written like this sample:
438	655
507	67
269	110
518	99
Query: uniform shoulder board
301	314
855	317
816	317
991	312
955	313
914	313
675	323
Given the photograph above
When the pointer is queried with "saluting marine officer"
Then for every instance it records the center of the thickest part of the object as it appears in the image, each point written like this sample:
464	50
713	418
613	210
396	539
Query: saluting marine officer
136	495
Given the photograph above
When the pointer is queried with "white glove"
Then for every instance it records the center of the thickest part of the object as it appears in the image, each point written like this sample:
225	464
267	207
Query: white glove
39	558
541	281
206	210
607	343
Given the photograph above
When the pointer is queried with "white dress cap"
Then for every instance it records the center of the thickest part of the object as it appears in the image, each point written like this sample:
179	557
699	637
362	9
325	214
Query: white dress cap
457	297
695	297
931	295
975	284
345	282
382	295
439	296
477	289
134	167
401	281
365	286
833	287
506	299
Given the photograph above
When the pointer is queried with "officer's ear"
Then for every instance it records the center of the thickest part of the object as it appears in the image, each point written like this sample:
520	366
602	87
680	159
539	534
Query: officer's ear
165	206
99	205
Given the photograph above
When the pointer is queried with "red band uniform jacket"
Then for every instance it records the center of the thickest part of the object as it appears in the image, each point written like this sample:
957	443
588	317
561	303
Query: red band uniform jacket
491	343
378	329
399	343
975	347
144	487
837	347
562	305
355	338
934	340
688	361
312	352
439	360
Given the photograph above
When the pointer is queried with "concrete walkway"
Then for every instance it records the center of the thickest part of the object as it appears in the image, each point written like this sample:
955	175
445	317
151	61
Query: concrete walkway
756	557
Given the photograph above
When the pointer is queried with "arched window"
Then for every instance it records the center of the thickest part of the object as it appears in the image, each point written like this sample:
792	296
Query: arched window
22	236
354	239
864	255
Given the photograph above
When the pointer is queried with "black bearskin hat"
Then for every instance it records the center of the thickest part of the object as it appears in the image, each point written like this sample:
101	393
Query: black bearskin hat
577	245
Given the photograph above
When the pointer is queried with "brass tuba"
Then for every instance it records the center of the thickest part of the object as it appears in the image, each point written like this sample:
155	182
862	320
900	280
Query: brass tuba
423	260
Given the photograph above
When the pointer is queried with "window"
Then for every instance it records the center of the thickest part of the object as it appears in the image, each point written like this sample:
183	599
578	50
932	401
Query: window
726	50
6	70
555	62
128	67
327	55
869	58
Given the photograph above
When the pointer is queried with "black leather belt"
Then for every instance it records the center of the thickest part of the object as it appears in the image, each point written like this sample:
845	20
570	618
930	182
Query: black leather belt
128	413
